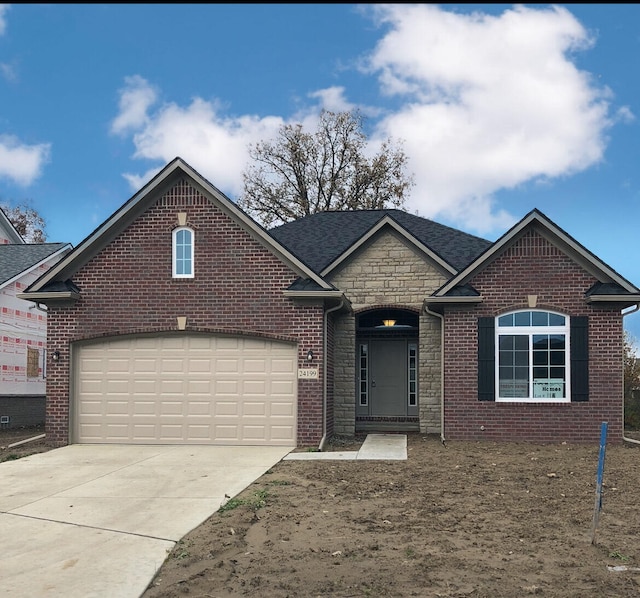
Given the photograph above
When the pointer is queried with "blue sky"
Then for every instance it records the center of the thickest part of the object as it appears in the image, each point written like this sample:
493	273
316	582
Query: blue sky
500	108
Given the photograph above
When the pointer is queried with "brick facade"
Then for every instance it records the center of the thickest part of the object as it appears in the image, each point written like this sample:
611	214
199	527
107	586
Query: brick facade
127	288
533	266
388	272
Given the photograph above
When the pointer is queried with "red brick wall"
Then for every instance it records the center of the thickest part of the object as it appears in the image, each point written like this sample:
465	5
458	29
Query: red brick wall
532	266
127	288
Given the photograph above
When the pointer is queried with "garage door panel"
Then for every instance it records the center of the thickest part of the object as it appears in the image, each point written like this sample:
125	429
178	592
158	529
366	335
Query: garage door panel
142	365
253	408
254	388
199	387
186	389
143	387
144	408
282	365
225	408
226	432
226	387
227	366
281	409
199	408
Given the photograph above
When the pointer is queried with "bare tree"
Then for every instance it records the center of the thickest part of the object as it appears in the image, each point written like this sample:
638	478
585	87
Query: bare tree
302	173
26	220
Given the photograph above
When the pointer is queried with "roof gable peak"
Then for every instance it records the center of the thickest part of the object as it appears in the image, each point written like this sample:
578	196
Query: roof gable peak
555	235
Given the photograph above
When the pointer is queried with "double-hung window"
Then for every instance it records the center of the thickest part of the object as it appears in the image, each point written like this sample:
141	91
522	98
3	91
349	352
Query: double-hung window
183	247
532	357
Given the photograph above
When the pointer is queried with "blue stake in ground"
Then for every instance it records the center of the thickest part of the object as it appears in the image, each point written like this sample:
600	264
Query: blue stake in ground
598	504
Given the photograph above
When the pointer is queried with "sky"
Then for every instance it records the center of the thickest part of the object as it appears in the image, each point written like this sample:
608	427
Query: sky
500	108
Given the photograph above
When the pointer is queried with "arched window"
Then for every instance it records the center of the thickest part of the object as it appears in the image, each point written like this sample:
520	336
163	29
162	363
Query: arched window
532	357
183	247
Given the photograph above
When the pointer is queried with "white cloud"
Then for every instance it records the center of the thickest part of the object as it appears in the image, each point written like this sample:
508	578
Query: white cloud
333	99
135	100
7	71
19	162
214	144
487	103
483	103
3	22
22	163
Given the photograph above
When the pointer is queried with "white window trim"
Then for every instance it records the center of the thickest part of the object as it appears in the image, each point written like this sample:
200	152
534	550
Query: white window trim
174	261
530	331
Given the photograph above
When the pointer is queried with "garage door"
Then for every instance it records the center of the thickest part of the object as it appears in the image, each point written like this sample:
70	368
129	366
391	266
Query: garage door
186	390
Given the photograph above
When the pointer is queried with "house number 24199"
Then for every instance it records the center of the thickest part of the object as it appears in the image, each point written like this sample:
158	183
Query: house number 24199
308	373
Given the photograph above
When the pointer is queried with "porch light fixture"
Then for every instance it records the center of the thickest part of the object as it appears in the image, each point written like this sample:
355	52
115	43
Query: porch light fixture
55	356
389	322
309	355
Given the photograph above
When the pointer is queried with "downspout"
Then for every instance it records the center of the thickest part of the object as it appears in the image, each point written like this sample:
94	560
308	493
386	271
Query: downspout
37	306
441	317
632	440
324	373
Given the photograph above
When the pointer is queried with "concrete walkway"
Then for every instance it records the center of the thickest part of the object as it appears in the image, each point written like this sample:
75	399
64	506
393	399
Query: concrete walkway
379	447
87	521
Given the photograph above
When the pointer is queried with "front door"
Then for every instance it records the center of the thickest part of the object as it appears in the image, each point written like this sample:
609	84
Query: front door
388	378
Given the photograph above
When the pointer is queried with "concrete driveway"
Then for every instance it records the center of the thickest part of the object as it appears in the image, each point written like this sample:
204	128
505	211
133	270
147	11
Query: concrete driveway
98	521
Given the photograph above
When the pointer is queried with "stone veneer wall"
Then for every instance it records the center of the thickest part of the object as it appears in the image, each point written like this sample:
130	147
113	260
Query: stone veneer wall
388	272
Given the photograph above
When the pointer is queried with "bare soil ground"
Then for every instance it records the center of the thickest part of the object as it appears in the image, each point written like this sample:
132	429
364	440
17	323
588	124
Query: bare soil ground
9	436
466	519
463	520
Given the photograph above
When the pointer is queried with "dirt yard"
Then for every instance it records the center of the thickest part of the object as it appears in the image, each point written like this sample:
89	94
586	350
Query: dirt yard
9	436
461	520
465	519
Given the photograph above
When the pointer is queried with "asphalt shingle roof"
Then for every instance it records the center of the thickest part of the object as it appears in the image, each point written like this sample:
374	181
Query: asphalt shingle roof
319	239
16	258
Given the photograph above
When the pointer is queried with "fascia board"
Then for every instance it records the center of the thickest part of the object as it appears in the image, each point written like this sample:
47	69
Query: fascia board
445	300
373	231
314	294
614	299
44	297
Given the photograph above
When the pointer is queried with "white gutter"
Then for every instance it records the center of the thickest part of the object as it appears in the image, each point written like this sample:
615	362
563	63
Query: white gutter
632	440
324	374
441	317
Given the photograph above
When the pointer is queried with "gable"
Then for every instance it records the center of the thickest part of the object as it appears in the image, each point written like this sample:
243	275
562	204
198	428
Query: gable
532	265
229	261
386	270
536	239
56	285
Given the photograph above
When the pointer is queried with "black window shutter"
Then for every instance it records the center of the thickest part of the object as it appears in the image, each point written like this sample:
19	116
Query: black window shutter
486	360
580	358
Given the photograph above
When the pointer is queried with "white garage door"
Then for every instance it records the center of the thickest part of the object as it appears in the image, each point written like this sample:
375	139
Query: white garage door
187	389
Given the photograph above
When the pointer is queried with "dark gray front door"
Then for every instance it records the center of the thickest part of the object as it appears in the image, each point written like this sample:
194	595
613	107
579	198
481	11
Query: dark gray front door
388	378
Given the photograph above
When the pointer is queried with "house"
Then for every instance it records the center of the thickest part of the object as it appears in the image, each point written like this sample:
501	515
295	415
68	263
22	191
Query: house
181	320
23	328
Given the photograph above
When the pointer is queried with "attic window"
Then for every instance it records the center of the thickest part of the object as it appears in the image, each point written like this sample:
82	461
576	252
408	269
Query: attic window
183	251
